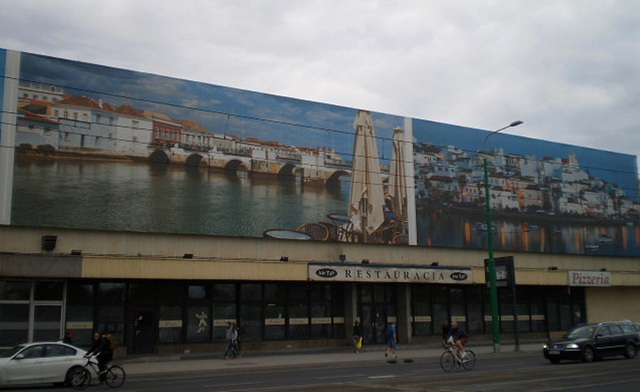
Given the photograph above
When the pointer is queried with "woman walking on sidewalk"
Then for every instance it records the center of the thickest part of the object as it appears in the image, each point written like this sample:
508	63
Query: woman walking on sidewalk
357	337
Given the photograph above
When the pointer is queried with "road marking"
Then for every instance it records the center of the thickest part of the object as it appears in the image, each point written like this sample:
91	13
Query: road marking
345	376
231	384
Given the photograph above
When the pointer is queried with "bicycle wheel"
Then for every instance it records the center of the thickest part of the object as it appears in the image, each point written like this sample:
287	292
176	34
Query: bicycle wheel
447	361
115	376
79	378
470	360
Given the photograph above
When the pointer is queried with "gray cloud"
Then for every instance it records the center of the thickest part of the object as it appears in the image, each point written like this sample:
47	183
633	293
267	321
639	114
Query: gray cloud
568	69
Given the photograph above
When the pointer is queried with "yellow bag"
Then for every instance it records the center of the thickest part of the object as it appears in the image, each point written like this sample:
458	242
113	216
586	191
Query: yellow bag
359	345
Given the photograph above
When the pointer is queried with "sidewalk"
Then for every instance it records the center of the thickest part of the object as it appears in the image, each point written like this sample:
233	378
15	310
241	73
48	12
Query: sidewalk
148	366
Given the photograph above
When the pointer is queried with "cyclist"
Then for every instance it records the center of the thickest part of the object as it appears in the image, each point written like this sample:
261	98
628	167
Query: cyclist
102	350
460	338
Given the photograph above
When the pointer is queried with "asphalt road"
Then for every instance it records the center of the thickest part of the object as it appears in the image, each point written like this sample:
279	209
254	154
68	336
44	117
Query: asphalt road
512	372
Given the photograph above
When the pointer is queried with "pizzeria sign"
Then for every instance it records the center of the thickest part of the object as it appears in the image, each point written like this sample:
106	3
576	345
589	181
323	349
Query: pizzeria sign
590	278
388	274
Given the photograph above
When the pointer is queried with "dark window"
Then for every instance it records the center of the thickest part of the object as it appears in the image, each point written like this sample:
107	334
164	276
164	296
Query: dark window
615	329
14	324
48	291
421	305
198	292
298	307
111	309
15	291
33	352
54	350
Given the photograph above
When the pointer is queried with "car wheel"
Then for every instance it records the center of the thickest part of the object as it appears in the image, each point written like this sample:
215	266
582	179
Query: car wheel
588	355
630	351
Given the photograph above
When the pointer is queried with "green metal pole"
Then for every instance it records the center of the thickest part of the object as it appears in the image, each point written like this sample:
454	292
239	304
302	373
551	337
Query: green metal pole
493	284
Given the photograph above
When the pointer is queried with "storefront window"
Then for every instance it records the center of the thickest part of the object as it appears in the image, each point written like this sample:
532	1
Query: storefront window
252	321
566	313
552	313
198	292
298	306
79	317
170	319
457	305
274	311
421	310
46	322
15	291
251	313
440	295
170	324
145	292
338	310
321	300
475	322
523	310
14	324
224	292
48	291
537	313
111	299
224	309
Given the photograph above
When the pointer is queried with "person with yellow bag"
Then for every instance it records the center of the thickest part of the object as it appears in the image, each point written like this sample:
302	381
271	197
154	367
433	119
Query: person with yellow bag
357	337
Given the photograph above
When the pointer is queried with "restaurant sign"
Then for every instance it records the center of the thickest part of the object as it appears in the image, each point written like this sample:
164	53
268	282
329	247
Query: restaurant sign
388	274
590	278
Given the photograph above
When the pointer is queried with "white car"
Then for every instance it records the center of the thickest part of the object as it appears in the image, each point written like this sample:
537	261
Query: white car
39	363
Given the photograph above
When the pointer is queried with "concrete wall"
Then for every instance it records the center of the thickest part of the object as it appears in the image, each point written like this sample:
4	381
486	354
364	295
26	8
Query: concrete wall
106	254
613	303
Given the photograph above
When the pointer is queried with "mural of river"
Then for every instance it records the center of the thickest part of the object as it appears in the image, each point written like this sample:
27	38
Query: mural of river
546	235
171	199
163	198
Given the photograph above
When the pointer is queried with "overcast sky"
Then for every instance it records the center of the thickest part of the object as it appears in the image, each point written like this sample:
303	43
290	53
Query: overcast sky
569	69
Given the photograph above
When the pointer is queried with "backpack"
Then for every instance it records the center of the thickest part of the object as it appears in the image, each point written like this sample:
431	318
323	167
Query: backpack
113	342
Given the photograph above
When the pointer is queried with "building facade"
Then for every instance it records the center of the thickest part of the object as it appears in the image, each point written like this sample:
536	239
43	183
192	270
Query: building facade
158	210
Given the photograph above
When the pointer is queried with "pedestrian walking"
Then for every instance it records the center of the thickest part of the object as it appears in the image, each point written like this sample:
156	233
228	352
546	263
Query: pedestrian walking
357	337
231	337
392	341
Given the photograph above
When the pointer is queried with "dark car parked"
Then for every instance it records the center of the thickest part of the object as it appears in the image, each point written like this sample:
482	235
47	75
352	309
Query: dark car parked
594	341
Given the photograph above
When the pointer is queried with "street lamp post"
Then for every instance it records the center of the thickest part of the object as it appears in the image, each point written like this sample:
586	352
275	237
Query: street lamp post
493	284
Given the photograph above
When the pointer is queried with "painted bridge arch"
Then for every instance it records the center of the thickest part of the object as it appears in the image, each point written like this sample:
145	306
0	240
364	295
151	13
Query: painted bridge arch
159	156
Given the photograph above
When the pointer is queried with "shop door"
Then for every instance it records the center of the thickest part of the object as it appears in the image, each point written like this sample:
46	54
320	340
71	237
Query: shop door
144	333
373	323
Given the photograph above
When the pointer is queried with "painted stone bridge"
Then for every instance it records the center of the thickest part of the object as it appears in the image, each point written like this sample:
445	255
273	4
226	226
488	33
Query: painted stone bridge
309	170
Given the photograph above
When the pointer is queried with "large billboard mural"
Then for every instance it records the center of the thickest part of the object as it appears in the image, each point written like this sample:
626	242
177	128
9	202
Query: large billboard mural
106	148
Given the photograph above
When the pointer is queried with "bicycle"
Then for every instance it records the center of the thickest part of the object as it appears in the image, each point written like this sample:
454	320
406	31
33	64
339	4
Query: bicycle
450	360
80	377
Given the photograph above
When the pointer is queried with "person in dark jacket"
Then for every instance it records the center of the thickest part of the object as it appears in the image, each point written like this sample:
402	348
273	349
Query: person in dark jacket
102	350
356	336
68	337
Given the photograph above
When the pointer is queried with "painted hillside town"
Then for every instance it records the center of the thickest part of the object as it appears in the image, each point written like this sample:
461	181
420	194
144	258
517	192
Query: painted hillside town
446	175
52	121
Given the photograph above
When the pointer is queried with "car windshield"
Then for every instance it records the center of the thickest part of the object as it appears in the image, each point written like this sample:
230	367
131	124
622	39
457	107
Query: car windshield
580	332
10	352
